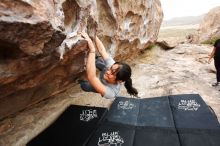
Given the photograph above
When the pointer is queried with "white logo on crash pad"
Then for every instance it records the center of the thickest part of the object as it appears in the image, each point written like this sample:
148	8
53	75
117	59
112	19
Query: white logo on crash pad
110	139
188	105
88	115
125	105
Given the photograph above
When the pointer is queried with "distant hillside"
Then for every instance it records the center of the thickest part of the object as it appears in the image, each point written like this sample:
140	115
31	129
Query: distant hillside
188	20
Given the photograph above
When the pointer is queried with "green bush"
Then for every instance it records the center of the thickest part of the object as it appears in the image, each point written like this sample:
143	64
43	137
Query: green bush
211	41
151	46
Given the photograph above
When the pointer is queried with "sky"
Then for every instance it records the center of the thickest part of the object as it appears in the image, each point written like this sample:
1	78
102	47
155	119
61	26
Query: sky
181	8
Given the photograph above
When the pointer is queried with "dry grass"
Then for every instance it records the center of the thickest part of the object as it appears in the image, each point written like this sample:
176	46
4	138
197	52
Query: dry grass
176	34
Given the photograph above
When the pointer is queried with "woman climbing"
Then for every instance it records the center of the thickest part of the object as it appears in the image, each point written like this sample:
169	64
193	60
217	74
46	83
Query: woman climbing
112	75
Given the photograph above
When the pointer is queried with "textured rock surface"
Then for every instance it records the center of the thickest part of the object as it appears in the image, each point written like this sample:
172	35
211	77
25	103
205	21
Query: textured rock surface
182	70
210	26
36	34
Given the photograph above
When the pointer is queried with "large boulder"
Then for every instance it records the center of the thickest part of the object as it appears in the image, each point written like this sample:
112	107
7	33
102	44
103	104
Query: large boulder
41	53
210	26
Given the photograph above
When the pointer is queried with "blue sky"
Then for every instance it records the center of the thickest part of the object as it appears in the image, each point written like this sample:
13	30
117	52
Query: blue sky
180	8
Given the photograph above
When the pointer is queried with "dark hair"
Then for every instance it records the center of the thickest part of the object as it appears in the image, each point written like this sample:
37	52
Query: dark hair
124	74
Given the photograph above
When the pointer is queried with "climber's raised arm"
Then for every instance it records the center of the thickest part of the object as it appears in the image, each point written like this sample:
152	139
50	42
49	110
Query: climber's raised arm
101	48
91	68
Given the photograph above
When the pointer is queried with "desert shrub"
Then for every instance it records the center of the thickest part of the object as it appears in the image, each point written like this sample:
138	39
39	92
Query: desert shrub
151	46
211	41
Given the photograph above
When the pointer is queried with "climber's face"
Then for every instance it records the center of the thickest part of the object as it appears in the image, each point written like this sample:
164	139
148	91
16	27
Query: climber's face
110	74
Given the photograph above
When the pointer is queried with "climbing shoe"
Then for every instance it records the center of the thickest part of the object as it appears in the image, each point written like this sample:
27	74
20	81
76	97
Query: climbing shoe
215	84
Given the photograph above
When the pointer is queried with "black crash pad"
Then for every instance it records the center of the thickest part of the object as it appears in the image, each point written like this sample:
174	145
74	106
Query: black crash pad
195	121
154	112
73	128
138	122
175	120
190	111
